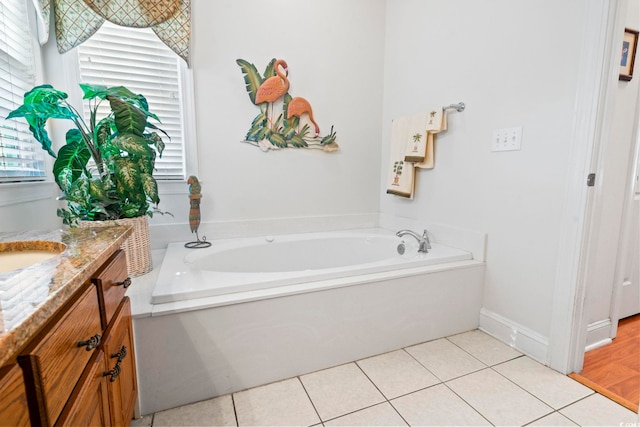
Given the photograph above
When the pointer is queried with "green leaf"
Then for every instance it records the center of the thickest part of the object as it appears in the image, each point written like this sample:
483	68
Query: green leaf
64	178
97	190
128	117
277	140
73	157
120	92
252	78
150	187
329	139
298	142
78	192
270	71
128	180
102	131
145	164
155	140
41	104
132	144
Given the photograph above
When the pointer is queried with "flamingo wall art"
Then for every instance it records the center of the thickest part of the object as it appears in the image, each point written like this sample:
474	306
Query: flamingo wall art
283	120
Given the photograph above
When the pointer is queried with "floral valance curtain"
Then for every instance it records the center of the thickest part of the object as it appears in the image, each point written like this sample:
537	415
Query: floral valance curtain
77	20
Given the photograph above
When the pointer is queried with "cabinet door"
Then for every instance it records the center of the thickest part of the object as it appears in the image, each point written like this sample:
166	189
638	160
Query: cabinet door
112	282
13	405
53	364
123	387
89	403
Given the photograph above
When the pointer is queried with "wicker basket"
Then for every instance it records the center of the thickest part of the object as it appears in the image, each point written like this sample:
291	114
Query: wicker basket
137	247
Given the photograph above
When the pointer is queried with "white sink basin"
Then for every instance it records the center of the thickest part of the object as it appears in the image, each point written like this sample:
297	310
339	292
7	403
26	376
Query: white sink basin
21	254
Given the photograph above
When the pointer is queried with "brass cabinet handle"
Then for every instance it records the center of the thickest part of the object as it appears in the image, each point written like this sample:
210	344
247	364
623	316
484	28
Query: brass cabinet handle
125	283
91	343
114	373
121	354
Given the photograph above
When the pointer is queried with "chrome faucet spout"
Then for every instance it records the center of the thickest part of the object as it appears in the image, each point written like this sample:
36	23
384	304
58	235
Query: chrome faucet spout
423	241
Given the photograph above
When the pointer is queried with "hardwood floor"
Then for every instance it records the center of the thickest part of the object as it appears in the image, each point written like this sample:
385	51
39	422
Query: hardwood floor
614	370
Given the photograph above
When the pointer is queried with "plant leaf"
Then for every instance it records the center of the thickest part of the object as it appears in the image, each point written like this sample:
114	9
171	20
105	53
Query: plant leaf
150	187
97	190
132	144
41	104
128	117
73	157
155	140
252	78
127	177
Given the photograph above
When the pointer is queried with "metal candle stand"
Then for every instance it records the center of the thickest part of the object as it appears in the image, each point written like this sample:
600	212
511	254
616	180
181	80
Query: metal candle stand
194	214
198	244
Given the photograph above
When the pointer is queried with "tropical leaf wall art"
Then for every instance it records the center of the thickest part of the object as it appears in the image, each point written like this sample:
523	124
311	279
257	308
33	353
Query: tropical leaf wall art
274	129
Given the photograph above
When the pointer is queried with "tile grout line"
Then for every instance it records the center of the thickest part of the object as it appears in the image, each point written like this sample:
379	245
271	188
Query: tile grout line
310	400
387	400
235	412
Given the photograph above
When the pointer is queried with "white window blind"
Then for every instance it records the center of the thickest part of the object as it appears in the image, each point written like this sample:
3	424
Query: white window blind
21	156
137	59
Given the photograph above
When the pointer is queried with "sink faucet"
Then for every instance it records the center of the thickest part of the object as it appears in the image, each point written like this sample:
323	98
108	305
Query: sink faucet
423	240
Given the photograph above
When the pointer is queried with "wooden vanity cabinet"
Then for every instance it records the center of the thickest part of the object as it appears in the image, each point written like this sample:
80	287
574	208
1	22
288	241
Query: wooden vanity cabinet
13	405
89	403
80	369
120	358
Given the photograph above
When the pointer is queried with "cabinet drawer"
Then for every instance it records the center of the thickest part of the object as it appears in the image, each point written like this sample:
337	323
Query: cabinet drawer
121	362
54	364
89	404
13	405
112	282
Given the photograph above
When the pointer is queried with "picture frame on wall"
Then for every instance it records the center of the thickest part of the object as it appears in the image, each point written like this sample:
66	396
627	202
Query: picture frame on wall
628	58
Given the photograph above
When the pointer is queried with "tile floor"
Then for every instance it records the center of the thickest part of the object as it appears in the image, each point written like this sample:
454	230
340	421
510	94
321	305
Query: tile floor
465	379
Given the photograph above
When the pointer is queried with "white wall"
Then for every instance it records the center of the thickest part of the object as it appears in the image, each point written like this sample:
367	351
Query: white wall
513	64
334	50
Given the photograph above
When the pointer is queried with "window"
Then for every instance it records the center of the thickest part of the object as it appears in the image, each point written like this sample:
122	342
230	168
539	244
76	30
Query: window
137	59
21	157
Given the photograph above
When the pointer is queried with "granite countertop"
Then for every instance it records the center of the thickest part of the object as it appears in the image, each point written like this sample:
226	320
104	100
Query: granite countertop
87	249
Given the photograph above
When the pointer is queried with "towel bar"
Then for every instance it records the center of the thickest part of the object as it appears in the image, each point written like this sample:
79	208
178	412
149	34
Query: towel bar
459	107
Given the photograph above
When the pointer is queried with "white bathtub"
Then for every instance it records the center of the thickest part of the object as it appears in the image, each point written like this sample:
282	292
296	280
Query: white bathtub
231	322
239	265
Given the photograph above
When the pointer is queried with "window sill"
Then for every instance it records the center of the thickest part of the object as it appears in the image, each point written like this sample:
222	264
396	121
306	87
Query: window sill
24	192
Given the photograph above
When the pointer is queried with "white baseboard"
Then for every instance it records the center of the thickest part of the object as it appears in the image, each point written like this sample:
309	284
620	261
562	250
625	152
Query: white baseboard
598	334
517	336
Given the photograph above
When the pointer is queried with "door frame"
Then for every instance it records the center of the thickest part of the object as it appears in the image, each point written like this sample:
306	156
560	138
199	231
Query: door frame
595	97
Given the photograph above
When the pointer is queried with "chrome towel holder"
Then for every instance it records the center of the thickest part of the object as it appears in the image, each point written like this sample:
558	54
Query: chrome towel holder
459	107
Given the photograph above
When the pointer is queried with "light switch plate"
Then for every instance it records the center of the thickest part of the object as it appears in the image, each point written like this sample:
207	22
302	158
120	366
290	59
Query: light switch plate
507	139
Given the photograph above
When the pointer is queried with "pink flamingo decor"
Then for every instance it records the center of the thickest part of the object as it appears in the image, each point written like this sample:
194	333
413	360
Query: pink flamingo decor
299	106
270	130
274	87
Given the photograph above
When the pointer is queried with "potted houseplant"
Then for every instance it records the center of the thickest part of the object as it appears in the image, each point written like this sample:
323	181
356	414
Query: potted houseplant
105	168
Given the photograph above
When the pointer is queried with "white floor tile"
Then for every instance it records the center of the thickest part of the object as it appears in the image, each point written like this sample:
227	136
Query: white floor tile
484	347
498	399
437	406
276	404
444	359
142	421
213	412
379	415
597	410
397	373
553	420
340	390
553	388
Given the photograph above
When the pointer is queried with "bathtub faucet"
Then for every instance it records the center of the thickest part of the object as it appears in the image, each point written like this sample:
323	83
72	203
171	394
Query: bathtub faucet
423	240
